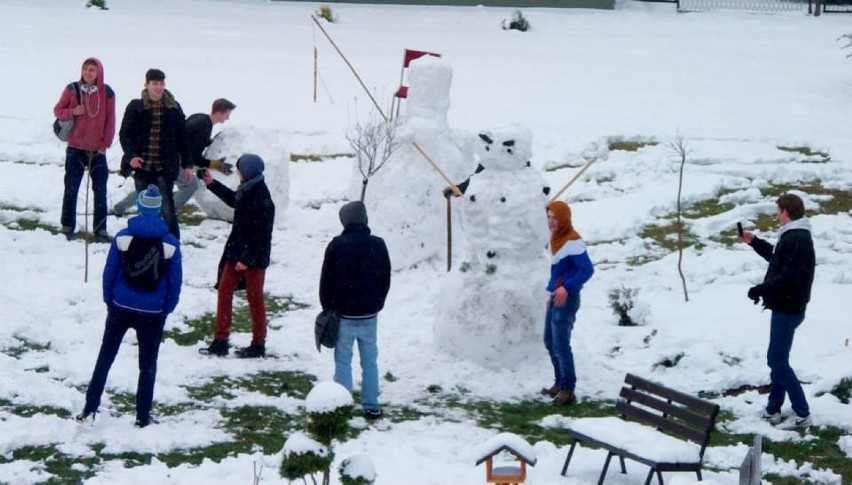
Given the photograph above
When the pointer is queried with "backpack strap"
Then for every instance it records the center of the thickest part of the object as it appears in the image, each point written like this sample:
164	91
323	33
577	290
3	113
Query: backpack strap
76	87
123	244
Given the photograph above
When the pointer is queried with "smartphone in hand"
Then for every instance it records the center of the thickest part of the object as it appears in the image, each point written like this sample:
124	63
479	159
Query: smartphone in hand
740	229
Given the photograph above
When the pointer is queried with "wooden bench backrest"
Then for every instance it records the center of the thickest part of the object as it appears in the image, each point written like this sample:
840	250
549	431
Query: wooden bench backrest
670	411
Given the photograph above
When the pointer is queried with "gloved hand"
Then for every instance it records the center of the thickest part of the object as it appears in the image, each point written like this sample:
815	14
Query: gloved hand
448	192
755	293
222	166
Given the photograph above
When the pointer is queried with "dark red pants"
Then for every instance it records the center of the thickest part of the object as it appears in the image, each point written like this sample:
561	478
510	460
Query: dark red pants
254	292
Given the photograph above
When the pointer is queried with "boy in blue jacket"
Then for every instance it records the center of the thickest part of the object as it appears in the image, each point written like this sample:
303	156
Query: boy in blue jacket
129	306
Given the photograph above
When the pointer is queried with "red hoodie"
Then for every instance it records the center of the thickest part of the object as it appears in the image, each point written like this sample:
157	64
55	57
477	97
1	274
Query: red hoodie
95	129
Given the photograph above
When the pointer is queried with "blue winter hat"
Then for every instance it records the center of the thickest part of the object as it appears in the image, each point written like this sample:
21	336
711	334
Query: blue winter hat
149	201
250	165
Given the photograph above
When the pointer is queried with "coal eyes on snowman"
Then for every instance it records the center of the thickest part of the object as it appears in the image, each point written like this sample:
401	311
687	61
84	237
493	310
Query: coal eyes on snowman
502	199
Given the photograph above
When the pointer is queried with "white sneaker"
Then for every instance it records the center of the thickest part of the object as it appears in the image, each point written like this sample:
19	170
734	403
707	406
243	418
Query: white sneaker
796	422
772	419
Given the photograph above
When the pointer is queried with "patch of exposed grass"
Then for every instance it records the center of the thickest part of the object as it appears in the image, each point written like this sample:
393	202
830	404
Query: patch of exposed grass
28	224
66	469
30	410
665	235
26	346
196	330
839	203
270	383
191	215
808	152
314	157
15	208
630	146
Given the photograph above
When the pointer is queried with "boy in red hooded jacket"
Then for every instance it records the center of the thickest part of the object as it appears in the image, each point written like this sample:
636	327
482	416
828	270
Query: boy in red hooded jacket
94	128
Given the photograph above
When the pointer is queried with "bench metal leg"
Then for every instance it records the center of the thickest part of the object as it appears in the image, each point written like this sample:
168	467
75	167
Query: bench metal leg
698	472
650	475
606	466
623	468
660	477
568	458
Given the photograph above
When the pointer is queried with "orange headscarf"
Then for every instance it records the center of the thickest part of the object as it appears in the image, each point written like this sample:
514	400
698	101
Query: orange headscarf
564	228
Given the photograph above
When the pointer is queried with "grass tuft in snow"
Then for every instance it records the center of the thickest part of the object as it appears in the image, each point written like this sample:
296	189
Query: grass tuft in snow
837	201
630	146
843	390
821	157
56	463
26	346
30	410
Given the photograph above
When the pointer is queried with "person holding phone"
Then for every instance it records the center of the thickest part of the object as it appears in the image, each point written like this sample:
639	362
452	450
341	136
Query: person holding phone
786	291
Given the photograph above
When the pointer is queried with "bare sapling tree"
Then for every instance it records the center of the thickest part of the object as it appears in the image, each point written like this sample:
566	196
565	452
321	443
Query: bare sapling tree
847	38
679	147
374	141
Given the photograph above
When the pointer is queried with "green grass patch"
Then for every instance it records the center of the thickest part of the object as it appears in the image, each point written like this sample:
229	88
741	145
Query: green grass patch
15	208
58	464
191	215
665	235
28	224
839	203
315	157
30	410
630	146
26	346
270	383
822	157
196	330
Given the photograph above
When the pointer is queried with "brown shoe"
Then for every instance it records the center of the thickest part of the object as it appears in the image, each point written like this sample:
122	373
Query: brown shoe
565	397
549	391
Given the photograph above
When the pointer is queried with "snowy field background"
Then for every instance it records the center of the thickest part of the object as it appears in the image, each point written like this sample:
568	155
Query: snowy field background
736	86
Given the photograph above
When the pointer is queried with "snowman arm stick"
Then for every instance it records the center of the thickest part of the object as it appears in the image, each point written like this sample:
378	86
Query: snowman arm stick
573	179
376	104
456	190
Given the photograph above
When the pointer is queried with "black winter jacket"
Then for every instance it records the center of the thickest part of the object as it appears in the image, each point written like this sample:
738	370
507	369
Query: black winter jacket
136	131
787	284
355	273
199	127
250	241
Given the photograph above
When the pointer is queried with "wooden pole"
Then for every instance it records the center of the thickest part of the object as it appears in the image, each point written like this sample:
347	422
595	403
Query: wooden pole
376	104
573	179
449	235
456	190
315	74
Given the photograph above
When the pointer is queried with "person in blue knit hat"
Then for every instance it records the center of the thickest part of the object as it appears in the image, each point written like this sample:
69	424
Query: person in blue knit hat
246	255
136	302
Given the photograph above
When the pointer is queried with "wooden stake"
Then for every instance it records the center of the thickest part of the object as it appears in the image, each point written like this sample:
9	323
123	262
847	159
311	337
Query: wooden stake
456	190
350	67
449	235
573	179
315	74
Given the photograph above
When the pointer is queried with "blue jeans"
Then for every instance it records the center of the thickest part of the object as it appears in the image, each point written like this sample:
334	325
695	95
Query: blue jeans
782	378
149	331
363	332
76	163
143	178
558	324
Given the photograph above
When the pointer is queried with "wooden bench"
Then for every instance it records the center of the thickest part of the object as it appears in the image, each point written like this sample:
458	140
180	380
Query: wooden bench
660	427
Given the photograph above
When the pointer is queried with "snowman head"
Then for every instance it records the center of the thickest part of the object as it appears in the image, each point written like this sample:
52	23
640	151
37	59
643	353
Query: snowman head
505	148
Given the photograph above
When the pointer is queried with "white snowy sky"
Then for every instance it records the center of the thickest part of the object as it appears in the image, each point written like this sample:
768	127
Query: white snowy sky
735	85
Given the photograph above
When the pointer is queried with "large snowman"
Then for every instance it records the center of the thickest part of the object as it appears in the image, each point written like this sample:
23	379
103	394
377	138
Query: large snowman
491	307
232	142
404	199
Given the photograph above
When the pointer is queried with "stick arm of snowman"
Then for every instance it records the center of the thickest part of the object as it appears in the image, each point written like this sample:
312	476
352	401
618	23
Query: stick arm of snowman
588	164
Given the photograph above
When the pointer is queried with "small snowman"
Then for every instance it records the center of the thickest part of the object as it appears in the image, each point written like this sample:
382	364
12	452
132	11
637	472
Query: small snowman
491	307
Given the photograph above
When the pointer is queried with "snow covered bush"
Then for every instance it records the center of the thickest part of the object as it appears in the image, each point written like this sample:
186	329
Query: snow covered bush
325	12
329	408
517	22
303	456
357	470
627	307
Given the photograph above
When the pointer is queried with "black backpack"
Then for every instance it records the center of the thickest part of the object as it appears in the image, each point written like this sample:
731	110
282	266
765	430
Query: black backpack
144	262
63	128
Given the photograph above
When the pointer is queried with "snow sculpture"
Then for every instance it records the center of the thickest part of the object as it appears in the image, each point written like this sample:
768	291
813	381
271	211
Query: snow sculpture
232	142
404	198
491	308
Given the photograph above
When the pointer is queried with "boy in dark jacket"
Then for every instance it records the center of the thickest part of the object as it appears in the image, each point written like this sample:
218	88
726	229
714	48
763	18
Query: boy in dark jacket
246	254
355	282
153	137
786	290
145	311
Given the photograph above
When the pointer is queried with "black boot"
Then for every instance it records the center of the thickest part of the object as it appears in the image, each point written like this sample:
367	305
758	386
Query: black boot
252	351
219	348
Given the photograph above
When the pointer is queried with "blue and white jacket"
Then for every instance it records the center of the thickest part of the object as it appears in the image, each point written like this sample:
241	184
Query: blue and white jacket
117	291
570	267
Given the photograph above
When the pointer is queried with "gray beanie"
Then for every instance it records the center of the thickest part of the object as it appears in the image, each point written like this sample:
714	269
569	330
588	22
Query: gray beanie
353	213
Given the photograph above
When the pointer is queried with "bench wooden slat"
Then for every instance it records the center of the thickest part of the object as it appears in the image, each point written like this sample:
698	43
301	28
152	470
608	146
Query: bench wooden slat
698	404
698	421
663	424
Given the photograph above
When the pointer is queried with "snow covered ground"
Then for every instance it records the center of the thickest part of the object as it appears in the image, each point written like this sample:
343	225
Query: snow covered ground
736	86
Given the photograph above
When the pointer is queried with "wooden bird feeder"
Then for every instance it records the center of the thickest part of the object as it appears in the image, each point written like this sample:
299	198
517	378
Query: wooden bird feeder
506	473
